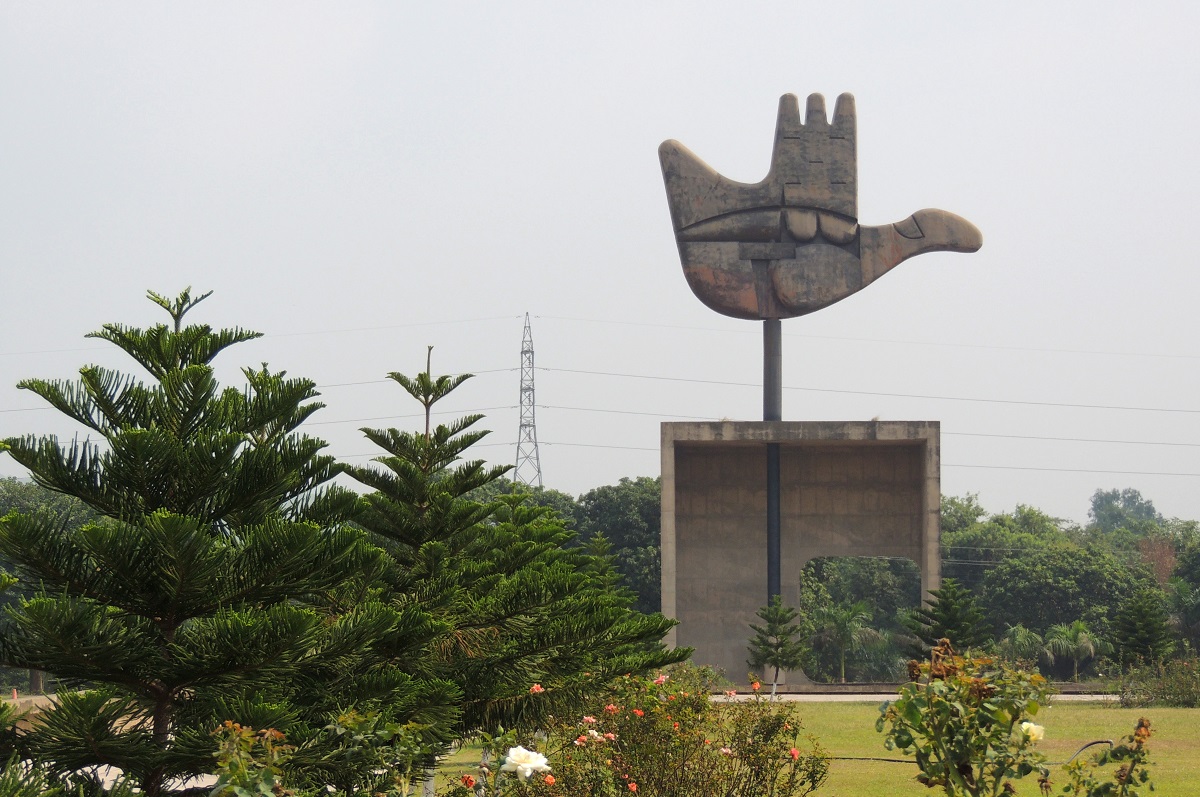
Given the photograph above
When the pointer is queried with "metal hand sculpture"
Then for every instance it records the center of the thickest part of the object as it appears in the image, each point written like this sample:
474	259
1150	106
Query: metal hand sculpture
791	244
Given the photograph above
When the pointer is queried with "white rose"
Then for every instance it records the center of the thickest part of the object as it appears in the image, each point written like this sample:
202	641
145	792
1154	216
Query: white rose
524	762
1033	732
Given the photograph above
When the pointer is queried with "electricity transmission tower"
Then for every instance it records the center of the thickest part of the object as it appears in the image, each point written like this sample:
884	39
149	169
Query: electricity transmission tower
529	466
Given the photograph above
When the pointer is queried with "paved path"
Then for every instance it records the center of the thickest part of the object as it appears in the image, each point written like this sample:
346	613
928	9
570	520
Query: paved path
38	701
879	697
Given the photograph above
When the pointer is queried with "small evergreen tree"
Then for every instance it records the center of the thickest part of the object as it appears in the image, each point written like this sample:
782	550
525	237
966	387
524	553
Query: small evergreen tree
952	613
1142	628
777	642
518	606
205	592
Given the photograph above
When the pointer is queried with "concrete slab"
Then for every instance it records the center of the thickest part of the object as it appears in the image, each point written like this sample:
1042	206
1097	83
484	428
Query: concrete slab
848	488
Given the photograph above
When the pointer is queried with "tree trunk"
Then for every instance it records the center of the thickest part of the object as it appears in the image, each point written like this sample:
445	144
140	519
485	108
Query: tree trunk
161	733
152	785
162	723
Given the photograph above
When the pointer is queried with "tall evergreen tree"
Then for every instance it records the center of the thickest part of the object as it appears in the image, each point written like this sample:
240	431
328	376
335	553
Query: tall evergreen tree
204	592
1142	628
777	643
952	613
520	606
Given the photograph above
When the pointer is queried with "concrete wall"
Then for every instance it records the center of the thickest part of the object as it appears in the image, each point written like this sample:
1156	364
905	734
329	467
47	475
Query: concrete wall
847	489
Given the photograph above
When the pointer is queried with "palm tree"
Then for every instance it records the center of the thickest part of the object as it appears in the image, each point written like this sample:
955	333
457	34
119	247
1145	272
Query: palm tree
1018	642
1076	642
844	628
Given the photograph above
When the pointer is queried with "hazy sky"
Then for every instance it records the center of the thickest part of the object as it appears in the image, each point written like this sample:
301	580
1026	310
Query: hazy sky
359	180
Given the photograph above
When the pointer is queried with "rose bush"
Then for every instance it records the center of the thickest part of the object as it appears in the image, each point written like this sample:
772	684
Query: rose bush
968	722
1116	772
663	737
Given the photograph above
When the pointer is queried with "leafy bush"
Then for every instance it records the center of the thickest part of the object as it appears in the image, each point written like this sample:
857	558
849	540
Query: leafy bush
968	722
666	737
250	762
358	754
1085	778
1172	683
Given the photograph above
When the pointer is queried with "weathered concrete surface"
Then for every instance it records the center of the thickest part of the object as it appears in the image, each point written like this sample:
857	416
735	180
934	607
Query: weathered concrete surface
847	489
791	244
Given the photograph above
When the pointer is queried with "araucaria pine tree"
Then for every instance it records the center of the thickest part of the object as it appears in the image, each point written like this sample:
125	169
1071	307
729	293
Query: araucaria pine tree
205	592
952	613
530	624
776	643
1144	629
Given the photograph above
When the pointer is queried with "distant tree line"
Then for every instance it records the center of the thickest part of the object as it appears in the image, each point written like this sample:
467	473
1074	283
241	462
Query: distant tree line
621	519
1124	587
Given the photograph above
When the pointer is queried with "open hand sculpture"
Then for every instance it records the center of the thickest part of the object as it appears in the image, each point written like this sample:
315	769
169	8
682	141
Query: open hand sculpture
792	244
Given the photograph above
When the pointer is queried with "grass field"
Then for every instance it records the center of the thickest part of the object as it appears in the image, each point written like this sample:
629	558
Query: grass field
848	730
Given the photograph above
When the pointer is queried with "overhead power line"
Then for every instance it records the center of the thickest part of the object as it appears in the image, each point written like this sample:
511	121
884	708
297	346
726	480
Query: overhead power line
389	326
410	415
389	381
324	387
631	412
891	341
944	464
382	453
601	445
873	393
1073	439
1071	470
293	334
944	433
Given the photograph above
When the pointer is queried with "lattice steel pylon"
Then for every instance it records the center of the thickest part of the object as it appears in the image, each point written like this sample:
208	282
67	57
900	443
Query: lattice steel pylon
528	469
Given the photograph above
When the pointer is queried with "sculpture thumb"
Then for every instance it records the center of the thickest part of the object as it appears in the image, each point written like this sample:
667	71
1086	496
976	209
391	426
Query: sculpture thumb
928	230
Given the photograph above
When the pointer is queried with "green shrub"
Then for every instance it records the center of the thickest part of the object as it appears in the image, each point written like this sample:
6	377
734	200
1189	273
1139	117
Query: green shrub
665	737
1172	683
968	722
250	762
1097	777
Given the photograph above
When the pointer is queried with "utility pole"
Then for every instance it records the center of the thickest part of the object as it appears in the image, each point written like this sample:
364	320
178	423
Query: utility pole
528	468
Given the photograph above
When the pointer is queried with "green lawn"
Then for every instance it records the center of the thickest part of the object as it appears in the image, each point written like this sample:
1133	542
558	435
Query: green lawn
848	729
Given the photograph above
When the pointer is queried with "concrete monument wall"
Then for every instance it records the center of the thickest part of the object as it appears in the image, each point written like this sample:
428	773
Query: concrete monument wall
867	488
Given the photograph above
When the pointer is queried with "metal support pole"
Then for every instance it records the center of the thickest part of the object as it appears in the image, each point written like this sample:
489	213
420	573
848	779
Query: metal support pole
773	547
772	369
773	411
